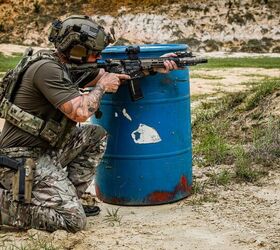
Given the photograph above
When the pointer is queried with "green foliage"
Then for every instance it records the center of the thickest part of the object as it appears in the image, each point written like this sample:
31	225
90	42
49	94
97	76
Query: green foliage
34	242
209	111
37	7
249	17
8	62
200	97
255	75
200	195
257	62
192	42
197	187
257	45
202	116
276	49
223	178
260	91
121	41
205	76
189	7
211	129
237	18
266	143
217	129
244	171
2	28
212	144
212	45
113	217
202	198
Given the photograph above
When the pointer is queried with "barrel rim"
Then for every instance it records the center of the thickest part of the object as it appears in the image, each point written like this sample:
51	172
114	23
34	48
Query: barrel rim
147	48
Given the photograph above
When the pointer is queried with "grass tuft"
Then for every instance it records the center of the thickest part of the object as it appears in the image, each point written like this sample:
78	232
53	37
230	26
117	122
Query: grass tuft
212	145
223	178
265	148
243	169
112	217
34	242
206	77
260	90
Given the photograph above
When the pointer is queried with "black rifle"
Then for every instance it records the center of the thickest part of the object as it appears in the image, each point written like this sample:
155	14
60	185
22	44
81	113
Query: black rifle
134	67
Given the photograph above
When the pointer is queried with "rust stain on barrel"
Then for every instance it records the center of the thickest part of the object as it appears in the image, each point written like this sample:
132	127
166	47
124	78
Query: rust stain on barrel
166	196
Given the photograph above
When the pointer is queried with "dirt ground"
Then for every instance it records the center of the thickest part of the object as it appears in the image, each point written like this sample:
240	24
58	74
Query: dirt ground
241	216
226	80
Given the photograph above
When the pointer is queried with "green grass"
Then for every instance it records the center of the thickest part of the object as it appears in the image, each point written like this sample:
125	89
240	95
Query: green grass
261	90
255	75
243	169
221	137
8	62
223	178
201	97
257	62
213	145
266	143
33	242
207	77
112	217
200	199
198	187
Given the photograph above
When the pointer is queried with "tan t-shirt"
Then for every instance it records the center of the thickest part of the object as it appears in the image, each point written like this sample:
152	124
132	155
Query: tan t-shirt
45	86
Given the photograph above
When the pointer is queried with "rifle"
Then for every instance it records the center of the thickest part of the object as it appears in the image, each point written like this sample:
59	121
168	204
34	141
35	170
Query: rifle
134	67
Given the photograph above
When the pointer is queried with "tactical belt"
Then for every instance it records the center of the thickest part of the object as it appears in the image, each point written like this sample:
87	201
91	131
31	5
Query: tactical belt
50	130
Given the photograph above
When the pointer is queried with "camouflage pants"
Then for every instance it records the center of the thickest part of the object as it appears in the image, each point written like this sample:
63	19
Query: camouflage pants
60	178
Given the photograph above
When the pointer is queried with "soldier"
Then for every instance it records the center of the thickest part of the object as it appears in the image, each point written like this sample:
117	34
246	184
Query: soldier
41	125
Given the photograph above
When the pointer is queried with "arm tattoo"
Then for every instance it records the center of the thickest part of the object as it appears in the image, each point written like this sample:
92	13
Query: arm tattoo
84	106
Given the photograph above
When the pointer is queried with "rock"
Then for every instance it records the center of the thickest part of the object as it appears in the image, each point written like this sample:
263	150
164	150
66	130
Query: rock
207	26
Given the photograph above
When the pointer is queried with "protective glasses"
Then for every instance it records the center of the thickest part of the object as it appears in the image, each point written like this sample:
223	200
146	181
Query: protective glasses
81	54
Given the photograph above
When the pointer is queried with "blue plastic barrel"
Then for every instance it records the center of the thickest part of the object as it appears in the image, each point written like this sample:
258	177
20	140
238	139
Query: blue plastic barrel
148	159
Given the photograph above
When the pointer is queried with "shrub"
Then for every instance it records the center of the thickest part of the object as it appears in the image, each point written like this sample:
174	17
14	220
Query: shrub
37	7
266	144
2	28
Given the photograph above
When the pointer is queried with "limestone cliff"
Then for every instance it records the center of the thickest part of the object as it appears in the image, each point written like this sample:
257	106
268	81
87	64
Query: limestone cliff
227	25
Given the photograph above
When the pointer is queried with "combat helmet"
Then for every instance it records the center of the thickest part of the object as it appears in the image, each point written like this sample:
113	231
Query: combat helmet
78	36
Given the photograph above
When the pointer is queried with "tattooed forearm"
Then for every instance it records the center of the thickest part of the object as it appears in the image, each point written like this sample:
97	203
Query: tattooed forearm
84	106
